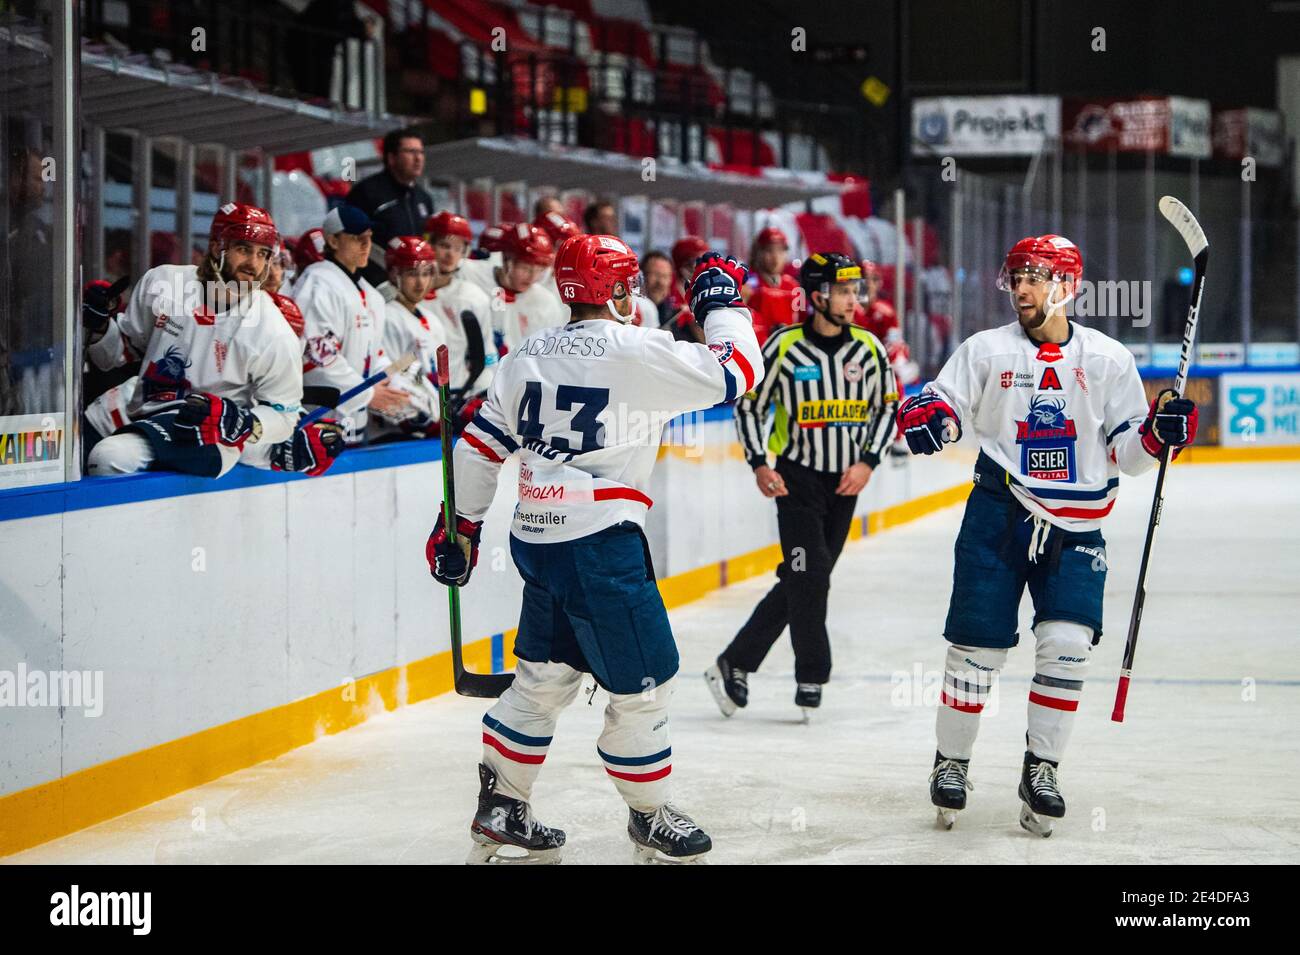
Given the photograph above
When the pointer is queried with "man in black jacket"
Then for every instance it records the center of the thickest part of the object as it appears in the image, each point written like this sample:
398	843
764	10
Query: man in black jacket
393	198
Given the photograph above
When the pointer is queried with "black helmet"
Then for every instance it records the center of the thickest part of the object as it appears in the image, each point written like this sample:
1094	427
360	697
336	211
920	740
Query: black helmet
822	270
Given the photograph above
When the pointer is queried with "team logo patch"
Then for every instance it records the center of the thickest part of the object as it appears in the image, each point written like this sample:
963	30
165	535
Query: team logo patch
1050	380
833	413
852	371
1047	438
807	373
164	379
323	349
723	351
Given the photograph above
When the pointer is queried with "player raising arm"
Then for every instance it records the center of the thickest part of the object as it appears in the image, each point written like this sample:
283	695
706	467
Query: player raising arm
583	406
1058	410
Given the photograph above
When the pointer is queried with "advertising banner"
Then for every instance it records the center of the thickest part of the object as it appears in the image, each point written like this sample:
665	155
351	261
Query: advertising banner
983	125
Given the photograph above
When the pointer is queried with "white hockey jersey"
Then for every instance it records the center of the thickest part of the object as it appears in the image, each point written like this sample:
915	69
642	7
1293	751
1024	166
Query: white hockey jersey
414	333
1061	420
247	354
447	306
584	407
343	334
515	316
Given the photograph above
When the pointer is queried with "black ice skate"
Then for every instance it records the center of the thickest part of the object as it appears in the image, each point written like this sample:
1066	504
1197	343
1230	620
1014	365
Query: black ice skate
808	696
666	835
504	830
1042	798
948	785
729	686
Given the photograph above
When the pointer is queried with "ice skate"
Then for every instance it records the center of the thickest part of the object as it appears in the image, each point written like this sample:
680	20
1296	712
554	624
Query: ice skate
808	696
666	836
729	686
1042	799
948	786
504	831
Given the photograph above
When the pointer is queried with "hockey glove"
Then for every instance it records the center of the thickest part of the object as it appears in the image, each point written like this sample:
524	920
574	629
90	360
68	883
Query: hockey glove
923	419
218	420
311	450
100	301
451	564
1171	422
716	284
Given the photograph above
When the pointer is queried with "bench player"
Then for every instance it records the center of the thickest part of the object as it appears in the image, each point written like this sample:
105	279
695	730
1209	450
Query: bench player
584	405
1059	412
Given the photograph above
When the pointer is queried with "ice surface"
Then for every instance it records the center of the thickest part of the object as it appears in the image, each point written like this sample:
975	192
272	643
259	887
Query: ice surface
1206	768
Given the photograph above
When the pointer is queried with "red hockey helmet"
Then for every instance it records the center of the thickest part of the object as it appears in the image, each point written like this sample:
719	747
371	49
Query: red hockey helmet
686	250
557	226
448	223
1056	256
309	248
588	267
493	238
770	236
870	269
240	222
527	243
406	252
291	312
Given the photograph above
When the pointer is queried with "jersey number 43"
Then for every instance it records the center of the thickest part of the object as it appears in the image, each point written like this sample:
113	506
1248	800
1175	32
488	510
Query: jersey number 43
589	402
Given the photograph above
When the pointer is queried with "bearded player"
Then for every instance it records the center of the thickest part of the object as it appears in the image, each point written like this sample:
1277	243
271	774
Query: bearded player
1059	411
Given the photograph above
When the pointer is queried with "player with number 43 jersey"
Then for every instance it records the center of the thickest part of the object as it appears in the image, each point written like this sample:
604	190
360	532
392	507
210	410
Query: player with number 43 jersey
583	406
1059	411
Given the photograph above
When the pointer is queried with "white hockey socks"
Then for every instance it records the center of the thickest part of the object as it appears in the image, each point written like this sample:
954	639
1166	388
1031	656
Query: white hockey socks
1061	660
968	679
517	730
634	746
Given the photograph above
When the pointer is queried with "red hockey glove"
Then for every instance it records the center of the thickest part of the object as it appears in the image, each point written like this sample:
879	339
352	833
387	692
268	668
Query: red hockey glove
217	420
451	564
1171	422
923	419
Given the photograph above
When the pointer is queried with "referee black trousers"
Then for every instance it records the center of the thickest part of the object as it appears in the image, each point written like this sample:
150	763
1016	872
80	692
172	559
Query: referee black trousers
814	522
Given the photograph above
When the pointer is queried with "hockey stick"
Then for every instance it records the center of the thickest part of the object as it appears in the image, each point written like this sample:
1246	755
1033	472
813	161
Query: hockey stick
488	685
396	368
1199	246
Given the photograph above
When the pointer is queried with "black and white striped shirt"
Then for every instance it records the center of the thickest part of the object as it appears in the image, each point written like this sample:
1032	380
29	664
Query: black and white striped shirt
834	403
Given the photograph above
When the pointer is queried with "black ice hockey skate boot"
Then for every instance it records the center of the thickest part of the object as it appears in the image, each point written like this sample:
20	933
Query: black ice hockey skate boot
948	785
502	823
1041	796
729	686
666	835
808	696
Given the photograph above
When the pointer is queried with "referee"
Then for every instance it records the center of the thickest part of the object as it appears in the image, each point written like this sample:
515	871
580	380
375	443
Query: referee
834	398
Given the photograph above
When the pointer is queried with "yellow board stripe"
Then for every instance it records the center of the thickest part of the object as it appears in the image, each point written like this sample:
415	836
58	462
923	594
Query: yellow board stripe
62	806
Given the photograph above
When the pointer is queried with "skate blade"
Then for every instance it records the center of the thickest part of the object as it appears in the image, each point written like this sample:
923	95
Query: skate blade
648	855
500	853
945	818
1030	821
806	714
713	677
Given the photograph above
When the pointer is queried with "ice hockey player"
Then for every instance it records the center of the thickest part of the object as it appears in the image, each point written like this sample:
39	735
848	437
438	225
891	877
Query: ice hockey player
221	371
1059	411
521	306
685	252
411	265
771	294
345	325
463	310
583	406
835	398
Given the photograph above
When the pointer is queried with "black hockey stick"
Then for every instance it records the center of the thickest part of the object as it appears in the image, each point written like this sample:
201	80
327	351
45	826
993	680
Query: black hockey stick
489	685
1199	246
